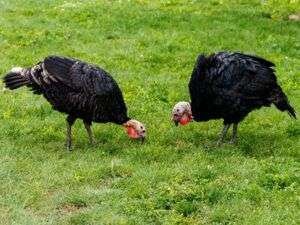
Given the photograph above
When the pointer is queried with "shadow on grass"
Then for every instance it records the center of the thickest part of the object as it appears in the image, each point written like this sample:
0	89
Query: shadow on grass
182	142
249	144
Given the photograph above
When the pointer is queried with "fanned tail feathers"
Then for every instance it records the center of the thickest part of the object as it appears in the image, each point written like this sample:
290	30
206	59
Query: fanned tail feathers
16	78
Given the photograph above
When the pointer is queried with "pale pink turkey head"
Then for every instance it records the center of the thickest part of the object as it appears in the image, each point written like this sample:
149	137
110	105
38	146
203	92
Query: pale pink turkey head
135	129
182	113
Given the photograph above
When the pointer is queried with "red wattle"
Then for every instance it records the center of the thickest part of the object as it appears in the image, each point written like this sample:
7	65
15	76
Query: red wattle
184	120
132	133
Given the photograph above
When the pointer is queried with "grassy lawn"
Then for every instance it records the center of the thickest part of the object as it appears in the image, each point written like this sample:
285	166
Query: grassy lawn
177	176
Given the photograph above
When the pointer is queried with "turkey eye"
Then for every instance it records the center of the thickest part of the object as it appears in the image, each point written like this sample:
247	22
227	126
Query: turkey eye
177	110
141	127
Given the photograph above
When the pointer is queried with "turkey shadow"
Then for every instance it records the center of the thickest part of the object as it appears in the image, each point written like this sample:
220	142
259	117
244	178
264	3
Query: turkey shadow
248	144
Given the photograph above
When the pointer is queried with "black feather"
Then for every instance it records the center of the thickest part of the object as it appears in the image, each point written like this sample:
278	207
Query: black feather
74	87
230	85
15	80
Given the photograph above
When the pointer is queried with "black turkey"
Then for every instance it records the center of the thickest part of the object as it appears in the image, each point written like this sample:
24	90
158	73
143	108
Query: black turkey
228	86
80	90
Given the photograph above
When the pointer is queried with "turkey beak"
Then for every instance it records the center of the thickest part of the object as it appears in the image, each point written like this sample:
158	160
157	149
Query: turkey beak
142	140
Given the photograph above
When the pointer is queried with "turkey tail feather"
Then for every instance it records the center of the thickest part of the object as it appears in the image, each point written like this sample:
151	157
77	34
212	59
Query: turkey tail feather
15	79
285	106
282	103
291	111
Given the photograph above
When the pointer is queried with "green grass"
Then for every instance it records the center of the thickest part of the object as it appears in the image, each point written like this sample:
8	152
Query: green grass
177	176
